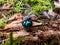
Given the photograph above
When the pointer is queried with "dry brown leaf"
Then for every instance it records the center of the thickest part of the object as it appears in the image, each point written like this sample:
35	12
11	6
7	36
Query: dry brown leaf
14	25
16	16
6	9
5	6
20	33
37	24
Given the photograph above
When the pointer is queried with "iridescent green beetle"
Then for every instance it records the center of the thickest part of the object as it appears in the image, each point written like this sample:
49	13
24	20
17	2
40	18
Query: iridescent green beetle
27	21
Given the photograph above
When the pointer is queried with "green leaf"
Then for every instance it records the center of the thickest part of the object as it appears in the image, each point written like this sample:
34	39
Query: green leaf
33	1
3	21
2	1
53	41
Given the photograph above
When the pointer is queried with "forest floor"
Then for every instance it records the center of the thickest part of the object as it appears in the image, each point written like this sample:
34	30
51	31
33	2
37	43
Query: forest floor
44	31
